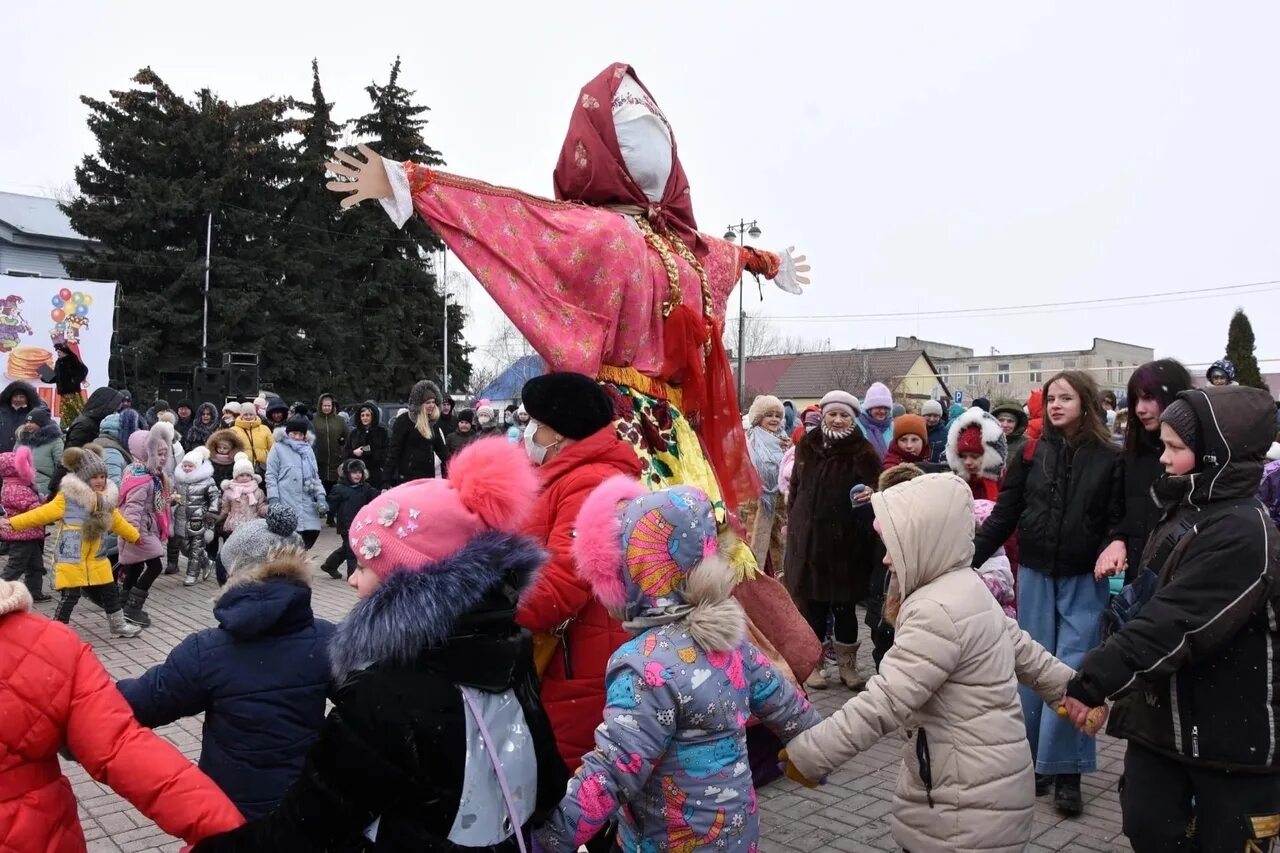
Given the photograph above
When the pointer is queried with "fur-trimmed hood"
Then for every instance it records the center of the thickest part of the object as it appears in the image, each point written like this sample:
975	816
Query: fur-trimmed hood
233	435
418	395
20	387
273	597
38	436
413	611
203	471
995	446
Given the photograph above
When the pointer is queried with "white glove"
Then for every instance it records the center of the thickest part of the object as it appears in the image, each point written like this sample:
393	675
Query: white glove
792	272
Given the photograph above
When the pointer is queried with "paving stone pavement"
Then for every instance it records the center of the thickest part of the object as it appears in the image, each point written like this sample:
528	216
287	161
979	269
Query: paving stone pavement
846	814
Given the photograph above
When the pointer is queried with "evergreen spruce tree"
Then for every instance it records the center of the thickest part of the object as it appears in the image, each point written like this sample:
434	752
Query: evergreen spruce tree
1240	349
397	297
320	260
164	164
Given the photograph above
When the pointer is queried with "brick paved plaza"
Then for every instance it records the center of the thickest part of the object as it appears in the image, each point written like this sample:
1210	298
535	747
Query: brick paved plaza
847	814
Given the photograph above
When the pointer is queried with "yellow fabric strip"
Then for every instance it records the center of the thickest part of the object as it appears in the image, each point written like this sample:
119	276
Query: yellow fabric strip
633	378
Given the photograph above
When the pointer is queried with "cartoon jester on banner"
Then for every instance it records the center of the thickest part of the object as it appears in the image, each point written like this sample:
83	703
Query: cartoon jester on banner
613	280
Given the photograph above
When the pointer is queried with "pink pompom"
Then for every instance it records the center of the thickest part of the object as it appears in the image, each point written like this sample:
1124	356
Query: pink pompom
495	480
25	465
597	544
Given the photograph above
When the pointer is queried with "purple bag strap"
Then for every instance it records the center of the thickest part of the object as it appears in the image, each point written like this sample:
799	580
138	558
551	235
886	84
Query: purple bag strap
497	766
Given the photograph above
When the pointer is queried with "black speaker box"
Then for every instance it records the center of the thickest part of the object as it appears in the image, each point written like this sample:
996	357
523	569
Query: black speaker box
242	381
209	385
175	386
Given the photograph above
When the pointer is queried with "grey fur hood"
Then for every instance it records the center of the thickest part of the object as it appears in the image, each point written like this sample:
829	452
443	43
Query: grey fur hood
422	390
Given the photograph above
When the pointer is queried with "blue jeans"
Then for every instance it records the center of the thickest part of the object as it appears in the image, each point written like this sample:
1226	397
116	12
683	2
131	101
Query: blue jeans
1064	615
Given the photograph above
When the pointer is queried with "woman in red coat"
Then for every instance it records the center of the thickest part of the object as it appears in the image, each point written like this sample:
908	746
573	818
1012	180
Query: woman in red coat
571	438
53	691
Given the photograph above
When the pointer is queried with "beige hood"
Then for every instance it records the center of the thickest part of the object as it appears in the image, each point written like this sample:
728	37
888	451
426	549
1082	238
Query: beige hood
927	526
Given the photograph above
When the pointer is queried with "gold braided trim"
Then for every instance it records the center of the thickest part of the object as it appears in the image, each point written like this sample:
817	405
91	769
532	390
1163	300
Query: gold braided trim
647	385
663	244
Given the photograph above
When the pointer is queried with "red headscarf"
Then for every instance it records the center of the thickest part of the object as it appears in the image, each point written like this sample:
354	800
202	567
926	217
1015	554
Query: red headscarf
591	168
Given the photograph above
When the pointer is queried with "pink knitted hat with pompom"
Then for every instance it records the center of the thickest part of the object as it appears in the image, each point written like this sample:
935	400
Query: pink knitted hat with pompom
491	486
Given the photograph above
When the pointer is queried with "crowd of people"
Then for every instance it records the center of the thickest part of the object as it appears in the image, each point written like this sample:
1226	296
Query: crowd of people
595	618
517	579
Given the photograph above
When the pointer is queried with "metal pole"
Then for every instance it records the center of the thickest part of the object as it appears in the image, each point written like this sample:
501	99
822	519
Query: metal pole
204	337
742	326
444	288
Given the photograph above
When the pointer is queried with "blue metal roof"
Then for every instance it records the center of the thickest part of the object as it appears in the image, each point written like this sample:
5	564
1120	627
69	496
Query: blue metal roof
509	382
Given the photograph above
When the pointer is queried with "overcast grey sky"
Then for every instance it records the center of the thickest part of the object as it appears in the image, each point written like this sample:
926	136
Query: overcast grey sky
926	156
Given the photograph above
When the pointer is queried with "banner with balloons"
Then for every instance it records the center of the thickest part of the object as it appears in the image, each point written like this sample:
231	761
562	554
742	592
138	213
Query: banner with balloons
36	314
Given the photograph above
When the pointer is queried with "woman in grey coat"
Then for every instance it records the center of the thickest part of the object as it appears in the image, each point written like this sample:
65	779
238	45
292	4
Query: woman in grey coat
293	478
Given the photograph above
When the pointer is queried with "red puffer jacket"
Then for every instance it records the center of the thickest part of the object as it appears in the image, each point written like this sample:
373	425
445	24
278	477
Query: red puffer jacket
53	691
573	684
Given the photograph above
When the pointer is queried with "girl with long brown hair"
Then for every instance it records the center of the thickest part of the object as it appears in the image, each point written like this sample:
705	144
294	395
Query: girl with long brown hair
1064	494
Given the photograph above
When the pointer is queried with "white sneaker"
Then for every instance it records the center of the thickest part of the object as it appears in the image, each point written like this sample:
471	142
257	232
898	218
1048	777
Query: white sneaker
189	580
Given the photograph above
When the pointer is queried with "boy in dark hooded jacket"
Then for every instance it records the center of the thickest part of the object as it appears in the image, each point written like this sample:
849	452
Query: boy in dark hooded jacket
260	678
1193	673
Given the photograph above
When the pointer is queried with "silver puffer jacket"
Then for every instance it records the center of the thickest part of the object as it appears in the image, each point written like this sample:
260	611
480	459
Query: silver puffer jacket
201	501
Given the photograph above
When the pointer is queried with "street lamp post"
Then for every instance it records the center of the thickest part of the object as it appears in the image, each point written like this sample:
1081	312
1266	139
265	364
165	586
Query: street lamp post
740	232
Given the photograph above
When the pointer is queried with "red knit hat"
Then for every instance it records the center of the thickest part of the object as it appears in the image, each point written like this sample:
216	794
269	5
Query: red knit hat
970	440
415	526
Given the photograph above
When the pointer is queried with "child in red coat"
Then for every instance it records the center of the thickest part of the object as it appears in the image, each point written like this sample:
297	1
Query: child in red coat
26	547
53	691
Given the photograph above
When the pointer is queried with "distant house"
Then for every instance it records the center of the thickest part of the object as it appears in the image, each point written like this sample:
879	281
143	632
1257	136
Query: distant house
35	235
804	378
505	388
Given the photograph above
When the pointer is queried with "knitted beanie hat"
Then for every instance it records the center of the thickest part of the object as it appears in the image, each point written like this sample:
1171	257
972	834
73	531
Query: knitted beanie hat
415	526
878	395
281	519
841	400
812	418
241	465
231	408
40	416
572	404
247	409
982	403
970	440
1182	418
297	423
85	462
910	425
930	407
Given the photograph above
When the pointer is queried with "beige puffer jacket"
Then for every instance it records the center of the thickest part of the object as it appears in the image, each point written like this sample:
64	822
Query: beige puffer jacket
950	680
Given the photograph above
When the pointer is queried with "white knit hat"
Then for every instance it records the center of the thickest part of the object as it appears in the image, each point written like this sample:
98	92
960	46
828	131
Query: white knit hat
196	456
241	465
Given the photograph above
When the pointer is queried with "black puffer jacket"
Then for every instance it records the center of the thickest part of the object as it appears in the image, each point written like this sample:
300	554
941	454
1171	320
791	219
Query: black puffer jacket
102	402
1066	505
395	745
1196	674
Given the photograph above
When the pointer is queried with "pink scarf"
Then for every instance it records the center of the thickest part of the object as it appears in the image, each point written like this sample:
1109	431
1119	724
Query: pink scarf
239	491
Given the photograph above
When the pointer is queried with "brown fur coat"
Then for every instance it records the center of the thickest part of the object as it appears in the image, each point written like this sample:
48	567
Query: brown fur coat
830	545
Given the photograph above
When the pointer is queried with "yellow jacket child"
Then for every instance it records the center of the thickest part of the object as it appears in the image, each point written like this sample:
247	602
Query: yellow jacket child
85	510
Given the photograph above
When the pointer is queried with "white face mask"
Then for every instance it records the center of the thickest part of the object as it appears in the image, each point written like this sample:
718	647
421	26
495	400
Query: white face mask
536	452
